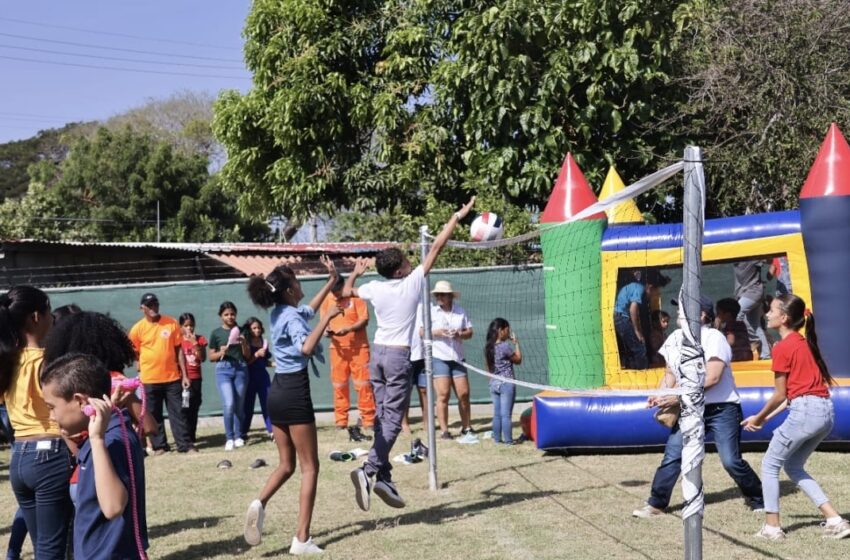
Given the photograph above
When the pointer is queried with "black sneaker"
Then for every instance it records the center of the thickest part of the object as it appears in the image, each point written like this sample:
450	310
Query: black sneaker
446	435
386	490
362	488
354	434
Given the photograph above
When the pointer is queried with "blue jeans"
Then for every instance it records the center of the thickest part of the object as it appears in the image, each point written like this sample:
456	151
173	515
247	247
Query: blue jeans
258	386
809	422
17	536
39	473
635	351
503	406
447	368
751	314
232	381
723	420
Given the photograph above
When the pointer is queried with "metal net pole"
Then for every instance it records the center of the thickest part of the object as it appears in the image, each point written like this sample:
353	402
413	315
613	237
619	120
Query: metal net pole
427	344
691	369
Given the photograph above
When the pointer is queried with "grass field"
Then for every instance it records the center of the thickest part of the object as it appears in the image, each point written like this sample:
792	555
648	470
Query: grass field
494	503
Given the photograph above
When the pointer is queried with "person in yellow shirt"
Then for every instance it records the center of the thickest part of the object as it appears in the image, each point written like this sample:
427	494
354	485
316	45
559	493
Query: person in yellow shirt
162	369
41	461
349	356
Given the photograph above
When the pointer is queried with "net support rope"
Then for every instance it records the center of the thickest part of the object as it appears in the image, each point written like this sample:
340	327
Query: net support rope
633	190
581	392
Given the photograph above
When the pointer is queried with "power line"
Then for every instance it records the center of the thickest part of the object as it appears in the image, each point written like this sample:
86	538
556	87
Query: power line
118	58
120	69
28	119
33	115
108	48
125	35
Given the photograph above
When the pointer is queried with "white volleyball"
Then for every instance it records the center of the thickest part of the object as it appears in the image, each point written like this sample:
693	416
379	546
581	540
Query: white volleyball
487	226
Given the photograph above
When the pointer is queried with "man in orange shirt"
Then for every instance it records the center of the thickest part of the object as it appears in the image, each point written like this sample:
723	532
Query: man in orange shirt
162	370
349	356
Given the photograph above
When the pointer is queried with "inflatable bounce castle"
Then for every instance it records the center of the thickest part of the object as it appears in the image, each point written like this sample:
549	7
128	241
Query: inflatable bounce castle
811	244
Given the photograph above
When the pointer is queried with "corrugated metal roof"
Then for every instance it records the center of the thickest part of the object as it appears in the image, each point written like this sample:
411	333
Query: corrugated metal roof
264	264
283	248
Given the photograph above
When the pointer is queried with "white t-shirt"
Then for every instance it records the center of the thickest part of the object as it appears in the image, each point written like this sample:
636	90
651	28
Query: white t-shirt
417	347
714	345
395	303
446	348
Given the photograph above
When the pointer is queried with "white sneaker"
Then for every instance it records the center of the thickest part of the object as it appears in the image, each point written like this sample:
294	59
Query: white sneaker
239	442
770	533
308	547
254	523
647	512
229	445
468	438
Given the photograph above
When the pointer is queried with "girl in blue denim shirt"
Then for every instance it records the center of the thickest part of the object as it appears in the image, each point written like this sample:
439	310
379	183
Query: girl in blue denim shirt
802	384
501	356
290	407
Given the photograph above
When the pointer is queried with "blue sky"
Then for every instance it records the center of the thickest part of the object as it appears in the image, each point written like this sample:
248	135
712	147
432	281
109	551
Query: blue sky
36	95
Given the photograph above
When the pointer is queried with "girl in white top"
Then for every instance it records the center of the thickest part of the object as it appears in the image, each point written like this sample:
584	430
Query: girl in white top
450	326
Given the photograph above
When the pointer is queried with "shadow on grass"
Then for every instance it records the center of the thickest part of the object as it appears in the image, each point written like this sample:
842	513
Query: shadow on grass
234	546
437	515
535	463
176	526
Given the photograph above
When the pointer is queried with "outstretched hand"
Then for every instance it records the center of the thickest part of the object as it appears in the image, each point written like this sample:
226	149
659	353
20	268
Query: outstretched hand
329	264
462	213
360	266
750	424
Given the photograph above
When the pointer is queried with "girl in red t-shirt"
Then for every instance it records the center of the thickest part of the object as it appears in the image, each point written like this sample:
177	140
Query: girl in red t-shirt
802	384
194	347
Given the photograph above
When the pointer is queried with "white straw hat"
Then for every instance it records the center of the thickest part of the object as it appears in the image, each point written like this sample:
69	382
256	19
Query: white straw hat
444	287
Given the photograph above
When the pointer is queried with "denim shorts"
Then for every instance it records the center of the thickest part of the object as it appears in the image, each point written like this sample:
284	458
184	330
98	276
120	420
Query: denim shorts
448	368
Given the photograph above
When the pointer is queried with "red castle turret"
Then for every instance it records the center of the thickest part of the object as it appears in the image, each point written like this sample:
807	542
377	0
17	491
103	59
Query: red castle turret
570	195
825	223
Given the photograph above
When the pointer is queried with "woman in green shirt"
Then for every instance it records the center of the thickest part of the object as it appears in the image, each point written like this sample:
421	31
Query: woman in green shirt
229	349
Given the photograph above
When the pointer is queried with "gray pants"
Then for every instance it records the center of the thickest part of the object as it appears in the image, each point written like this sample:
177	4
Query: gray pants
389	372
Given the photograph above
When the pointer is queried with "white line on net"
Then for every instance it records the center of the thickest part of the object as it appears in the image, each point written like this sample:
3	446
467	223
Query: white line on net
629	192
582	392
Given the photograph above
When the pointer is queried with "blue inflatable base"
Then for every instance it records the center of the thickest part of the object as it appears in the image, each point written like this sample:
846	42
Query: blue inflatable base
564	422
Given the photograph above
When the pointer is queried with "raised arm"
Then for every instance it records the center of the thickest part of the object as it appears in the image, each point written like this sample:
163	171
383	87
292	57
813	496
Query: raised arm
317	300
360	266
446	234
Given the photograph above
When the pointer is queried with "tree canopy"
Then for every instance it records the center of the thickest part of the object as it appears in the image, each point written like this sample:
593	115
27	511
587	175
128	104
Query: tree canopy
383	105
107	189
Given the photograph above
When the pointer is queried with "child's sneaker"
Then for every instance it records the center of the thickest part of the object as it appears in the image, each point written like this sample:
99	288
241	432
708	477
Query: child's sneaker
254	523
239	442
770	533
229	445
307	547
838	530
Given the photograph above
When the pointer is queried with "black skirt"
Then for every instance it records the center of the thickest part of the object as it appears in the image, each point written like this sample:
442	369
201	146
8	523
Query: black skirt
289	399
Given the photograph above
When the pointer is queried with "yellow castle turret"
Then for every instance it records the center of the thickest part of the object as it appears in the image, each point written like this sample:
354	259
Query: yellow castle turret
624	213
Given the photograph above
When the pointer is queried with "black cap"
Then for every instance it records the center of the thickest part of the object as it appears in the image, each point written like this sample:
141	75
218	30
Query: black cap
148	299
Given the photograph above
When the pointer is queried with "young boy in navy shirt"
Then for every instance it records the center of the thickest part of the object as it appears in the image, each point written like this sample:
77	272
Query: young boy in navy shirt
110	518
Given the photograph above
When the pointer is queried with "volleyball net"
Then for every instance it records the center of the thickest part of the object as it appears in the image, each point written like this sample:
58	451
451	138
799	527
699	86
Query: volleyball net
568	313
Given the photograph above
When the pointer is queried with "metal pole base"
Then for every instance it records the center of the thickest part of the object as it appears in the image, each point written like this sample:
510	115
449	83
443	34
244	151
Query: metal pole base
693	537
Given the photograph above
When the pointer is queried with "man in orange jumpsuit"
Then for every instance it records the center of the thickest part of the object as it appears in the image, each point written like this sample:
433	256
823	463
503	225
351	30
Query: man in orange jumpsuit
349	356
